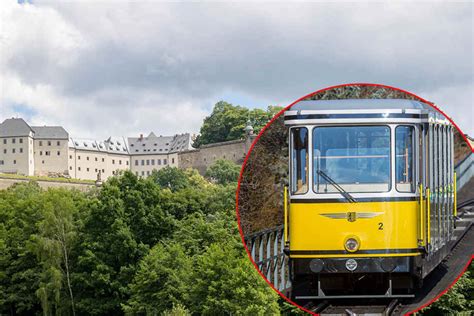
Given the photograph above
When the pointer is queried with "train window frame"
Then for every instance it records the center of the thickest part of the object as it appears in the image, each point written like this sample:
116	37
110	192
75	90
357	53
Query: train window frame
414	169
293	191
390	147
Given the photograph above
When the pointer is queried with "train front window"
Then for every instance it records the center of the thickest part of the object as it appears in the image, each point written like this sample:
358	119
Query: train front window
299	160
355	157
404	171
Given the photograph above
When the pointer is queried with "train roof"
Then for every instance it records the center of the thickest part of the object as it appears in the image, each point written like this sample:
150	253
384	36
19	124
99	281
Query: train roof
360	104
363	111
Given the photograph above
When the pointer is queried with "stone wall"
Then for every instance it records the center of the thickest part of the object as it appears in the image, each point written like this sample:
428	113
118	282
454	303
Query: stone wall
205	156
6	182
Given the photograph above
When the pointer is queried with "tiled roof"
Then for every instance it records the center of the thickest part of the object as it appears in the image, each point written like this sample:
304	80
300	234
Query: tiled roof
117	145
153	144
14	127
50	132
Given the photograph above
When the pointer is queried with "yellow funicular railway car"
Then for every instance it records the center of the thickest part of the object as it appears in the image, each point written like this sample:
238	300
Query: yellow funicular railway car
371	202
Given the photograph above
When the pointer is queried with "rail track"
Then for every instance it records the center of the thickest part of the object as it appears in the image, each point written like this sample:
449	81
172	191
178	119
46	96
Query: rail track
436	282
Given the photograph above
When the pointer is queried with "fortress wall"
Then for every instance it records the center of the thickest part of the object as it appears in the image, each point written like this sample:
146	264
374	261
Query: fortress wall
205	156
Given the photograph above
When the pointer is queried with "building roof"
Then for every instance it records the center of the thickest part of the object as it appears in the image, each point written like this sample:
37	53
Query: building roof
50	132
114	145
14	127
153	145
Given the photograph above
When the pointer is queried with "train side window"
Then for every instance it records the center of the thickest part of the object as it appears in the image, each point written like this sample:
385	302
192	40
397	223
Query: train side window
299	160
404	162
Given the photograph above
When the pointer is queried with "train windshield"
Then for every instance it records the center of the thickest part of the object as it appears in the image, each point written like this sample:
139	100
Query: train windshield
356	157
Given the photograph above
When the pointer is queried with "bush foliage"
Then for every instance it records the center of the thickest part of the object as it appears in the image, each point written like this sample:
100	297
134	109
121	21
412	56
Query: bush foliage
168	244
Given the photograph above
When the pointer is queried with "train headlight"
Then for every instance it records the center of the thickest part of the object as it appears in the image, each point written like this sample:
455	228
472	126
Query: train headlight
352	244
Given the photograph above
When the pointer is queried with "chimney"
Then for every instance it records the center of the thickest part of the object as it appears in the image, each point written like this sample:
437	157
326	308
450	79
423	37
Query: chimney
141	137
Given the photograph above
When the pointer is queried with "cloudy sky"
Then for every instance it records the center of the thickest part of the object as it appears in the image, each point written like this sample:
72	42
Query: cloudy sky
116	68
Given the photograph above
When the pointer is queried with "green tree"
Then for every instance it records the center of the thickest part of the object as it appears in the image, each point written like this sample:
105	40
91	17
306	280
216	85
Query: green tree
162	280
125	220
171	178
53	243
226	281
19	269
227	122
223	171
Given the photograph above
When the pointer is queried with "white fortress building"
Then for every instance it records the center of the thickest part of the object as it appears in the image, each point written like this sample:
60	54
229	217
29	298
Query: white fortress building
50	151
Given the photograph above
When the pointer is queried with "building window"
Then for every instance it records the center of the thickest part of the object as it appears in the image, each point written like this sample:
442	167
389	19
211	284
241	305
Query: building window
5	141
2	162
95	158
158	161
49	143
87	158
147	162
172	160
13	150
127	162
58	143
13	140
87	169
59	153
70	168
103	170
143	173
21	150
4	151
120	162
79	168
113	161
143	162
153	162
70	156
14	162
47	153
165	161
41	143
21	140
103	159
42	161
148	173
78	157
95	169
136	162
41	153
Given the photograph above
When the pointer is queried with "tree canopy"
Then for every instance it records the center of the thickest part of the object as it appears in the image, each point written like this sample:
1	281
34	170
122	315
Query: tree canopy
228	122
167	244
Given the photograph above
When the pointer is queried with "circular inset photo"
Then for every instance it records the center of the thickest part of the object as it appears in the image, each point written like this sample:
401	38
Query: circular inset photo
359	199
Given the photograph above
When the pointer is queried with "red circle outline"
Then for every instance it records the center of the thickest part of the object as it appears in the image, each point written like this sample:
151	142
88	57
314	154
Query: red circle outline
278	115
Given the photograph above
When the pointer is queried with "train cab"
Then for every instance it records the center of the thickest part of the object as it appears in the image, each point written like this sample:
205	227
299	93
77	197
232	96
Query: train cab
370	203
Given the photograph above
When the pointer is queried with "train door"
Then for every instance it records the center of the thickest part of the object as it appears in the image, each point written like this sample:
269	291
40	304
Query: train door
425	178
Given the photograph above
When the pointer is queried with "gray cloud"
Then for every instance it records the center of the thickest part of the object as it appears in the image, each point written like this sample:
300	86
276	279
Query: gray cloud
110	62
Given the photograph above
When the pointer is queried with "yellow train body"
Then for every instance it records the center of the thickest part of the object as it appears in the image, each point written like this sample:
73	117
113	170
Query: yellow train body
319	230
